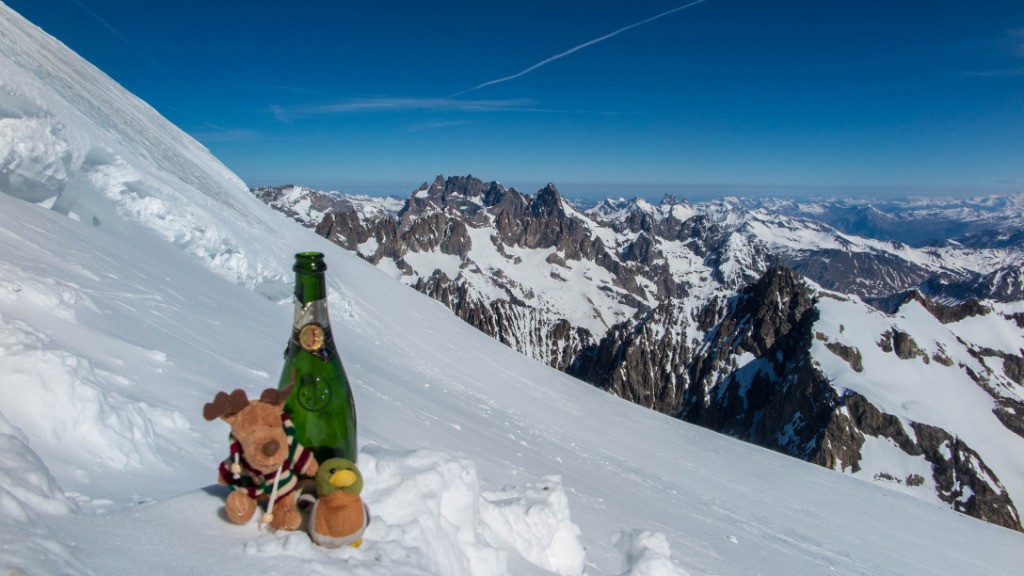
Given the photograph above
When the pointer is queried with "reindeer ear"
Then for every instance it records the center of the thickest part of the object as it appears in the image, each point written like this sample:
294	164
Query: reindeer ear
226	406
276	397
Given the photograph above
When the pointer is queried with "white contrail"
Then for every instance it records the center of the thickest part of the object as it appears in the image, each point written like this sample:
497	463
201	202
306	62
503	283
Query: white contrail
577	48
117	33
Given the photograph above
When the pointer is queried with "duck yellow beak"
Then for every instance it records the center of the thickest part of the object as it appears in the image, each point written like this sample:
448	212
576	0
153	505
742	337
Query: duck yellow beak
343	478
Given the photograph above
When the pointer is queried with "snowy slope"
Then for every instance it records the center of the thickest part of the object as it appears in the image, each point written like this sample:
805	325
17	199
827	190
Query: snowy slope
74	140
933	385
115	331
126	365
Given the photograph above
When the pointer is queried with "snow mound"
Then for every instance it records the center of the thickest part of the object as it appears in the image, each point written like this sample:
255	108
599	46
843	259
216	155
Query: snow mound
428	505
646	553
34	153
429	516
26	486
27	491
72	407
534	521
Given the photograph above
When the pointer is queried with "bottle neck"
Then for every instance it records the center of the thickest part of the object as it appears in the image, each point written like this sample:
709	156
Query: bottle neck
310	283
312	312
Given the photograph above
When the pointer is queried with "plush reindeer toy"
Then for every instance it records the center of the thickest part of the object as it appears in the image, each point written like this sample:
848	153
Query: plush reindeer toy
265	459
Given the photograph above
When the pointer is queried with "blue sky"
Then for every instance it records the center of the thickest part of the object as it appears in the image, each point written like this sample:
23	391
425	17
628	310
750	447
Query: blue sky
620	97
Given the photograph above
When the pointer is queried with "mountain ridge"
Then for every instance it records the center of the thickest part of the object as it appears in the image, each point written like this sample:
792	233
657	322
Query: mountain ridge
656	318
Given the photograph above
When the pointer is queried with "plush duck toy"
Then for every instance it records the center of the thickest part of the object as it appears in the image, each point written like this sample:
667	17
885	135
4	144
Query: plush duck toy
339	516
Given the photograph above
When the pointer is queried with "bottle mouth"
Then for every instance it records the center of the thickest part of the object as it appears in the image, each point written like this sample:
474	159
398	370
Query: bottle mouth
309	262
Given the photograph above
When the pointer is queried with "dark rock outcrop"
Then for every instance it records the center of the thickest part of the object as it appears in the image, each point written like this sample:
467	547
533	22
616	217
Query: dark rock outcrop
637	361
849	353
780	400
903	344
963	480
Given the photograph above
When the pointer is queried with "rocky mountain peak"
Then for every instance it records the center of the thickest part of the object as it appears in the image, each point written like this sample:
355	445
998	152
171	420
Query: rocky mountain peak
437	187
547	203
510	201
775	304
467	186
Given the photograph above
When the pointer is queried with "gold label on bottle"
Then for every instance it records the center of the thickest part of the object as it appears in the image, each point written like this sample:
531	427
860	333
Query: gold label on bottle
312	328
311	337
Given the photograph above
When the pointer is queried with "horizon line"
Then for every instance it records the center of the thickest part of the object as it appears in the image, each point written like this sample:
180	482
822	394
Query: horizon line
606	189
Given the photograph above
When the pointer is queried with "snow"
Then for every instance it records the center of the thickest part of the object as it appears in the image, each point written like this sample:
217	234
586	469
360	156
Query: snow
991	331
534	521
449	264
884	462
646	553
914	390
783	234
174	283
368	248
571	290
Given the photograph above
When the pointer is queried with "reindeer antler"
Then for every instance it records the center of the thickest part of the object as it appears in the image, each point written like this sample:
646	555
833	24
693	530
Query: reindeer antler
225	405
276	397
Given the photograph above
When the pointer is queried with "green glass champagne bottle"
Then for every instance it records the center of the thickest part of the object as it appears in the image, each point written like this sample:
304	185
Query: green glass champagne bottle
321	404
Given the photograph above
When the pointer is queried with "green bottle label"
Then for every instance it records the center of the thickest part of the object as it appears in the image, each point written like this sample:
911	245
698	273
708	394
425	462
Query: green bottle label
313	393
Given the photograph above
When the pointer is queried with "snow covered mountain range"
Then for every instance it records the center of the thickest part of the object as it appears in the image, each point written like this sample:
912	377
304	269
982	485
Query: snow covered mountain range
915	221
692	310
138	277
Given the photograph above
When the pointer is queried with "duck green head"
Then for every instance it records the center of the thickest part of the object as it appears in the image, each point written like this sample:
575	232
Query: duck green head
338	474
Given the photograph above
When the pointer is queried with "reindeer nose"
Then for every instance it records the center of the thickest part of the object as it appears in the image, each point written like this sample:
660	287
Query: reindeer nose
270	448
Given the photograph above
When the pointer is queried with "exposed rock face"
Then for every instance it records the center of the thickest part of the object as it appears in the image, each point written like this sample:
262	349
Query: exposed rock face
637	361
956	313
779	400
344	229
510	321
963	480
849	353
1005	284
945	313
439	217
1011	413
905	347
848	426
863	274
1018	318
1013	367
316	203
545	224
902	344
